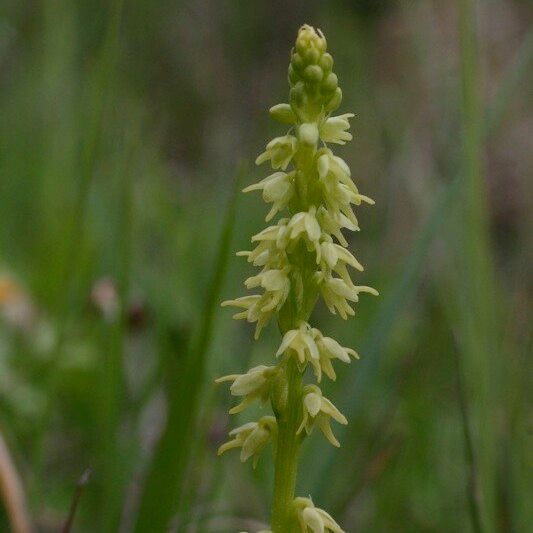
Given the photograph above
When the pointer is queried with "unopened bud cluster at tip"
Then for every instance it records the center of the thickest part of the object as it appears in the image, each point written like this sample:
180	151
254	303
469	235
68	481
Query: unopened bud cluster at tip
314	85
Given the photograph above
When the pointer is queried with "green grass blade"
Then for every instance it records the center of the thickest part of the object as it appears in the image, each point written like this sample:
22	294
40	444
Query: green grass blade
111	459
472	488
474	281
164	481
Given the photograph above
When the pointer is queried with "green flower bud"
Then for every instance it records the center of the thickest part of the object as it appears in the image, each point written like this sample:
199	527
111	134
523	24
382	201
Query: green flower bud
299	99
297	62
312	56
310	39
283	113
331	83
308	133
326	62
301	44
310	74
334	102
292	75
313	73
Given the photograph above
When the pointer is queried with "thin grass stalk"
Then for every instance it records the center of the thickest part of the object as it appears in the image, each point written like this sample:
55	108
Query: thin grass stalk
59	153
472	487
111	456
164	482
74	504
476	288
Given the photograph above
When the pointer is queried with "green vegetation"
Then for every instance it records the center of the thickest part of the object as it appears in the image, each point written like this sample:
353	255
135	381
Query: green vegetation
122	127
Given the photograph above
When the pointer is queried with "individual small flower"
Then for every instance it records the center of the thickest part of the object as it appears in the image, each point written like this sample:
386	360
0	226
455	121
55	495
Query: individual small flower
328	162
313	519
253	306
333	223
278	234
319	410
255	384
279	151
248	303
260	308
278	189
330	349
338	190
306	223
334	129
266	253
289	231
251	438
310	346
276	283
330	165
337	292
338	198
301	341
332	254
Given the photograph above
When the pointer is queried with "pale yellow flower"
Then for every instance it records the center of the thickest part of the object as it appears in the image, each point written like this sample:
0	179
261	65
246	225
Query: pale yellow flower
278	189
337	293
334	129
329	349
311	518
251	438
318	410
279	151
253	385
301	341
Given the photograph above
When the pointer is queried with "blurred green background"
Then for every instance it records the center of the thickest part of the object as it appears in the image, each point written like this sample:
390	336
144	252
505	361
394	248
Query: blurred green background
127	129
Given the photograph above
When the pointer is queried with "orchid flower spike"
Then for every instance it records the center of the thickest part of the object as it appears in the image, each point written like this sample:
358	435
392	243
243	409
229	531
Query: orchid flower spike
302	256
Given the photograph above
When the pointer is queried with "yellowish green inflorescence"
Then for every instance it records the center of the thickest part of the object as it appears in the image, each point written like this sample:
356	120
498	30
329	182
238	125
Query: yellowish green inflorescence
302	256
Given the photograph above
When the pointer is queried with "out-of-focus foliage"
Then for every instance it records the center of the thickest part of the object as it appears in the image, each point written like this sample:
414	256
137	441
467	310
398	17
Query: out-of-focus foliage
122	127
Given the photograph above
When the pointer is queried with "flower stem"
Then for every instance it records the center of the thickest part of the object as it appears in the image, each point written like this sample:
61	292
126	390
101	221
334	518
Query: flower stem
288	445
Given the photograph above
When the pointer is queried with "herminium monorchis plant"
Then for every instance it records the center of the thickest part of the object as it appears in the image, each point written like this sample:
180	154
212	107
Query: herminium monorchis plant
300	261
